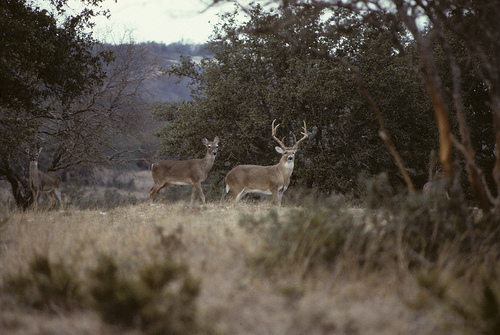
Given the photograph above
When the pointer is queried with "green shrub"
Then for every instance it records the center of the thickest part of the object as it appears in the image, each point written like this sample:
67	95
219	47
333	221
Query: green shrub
162	300
46	285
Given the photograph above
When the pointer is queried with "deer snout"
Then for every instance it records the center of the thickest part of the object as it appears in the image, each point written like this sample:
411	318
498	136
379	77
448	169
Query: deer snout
290	158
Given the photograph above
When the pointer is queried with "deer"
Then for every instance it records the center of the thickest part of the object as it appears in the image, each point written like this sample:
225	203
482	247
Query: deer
49	182
272	180
435	182
184	172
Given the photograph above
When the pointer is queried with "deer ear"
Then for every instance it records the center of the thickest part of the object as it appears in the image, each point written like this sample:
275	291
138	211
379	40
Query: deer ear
40	150
279	149
216	139
204	141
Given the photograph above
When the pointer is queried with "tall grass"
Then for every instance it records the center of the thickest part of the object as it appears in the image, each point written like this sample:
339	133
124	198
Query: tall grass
159	297
392	231
138	267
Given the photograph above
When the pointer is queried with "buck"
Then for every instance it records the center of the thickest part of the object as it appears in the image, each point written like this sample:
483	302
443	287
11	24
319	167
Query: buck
40	182
272	180
187	172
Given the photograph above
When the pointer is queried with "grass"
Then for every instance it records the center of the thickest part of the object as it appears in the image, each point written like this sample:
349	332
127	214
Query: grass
320	266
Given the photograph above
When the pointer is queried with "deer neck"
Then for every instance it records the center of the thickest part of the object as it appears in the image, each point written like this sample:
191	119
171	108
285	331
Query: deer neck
209	160
285	167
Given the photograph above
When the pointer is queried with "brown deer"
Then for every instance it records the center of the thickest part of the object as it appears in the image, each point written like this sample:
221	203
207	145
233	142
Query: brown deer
188	172
273	179
40	182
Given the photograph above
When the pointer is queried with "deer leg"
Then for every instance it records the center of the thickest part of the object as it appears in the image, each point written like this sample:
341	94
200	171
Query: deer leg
277	197
58	195
280	196
161	188
151	194
238	195
36	195
197	187
156	189
52	200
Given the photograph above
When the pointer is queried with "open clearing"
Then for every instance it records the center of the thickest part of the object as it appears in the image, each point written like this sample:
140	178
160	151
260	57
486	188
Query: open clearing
235	297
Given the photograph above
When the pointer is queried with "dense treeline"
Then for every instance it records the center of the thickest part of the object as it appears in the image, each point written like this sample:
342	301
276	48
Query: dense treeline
274	67
351	74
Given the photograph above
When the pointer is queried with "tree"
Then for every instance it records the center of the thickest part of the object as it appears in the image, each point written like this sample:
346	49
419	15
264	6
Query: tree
255	77
63	90
475	25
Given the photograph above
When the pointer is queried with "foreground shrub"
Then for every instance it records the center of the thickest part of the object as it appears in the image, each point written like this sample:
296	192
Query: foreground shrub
315	234
159	299
475	308
162	300
46	285
389	229
424	224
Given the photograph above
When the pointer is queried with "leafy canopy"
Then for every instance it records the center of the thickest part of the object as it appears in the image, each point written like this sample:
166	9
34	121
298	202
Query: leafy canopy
255	77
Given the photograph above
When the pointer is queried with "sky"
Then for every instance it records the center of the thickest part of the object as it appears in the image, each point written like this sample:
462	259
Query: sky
162	21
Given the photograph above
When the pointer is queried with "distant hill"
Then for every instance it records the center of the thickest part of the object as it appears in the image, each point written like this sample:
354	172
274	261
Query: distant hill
164	88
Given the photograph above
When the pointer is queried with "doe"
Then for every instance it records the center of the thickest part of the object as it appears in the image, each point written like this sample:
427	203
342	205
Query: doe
40	182
187	172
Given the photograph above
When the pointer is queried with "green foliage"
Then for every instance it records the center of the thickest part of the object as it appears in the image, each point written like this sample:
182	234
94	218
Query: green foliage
46	62
46	285
161	301
254	78
41	59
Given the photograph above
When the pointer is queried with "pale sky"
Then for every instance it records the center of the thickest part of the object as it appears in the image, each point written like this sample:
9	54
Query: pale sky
166	21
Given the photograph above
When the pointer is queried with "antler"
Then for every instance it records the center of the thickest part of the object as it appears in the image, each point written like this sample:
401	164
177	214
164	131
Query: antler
304	136
274	135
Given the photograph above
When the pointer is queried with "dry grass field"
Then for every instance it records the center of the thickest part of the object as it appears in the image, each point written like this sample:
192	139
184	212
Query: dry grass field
235	296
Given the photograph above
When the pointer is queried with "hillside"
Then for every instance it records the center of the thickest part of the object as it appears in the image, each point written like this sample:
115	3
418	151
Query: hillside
162	87
214	242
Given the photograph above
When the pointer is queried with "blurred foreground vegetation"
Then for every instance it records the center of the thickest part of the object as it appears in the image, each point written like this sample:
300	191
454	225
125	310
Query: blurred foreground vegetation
452	255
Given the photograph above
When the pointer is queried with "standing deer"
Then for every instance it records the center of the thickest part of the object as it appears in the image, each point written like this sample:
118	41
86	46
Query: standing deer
40	182
273	179
188	172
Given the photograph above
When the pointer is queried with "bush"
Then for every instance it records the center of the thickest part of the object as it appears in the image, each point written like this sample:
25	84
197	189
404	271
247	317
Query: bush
476	310
161	301
46	285
391	229
315	234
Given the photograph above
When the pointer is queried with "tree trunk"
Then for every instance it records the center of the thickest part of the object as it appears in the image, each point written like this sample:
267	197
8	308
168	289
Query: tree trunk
20	187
